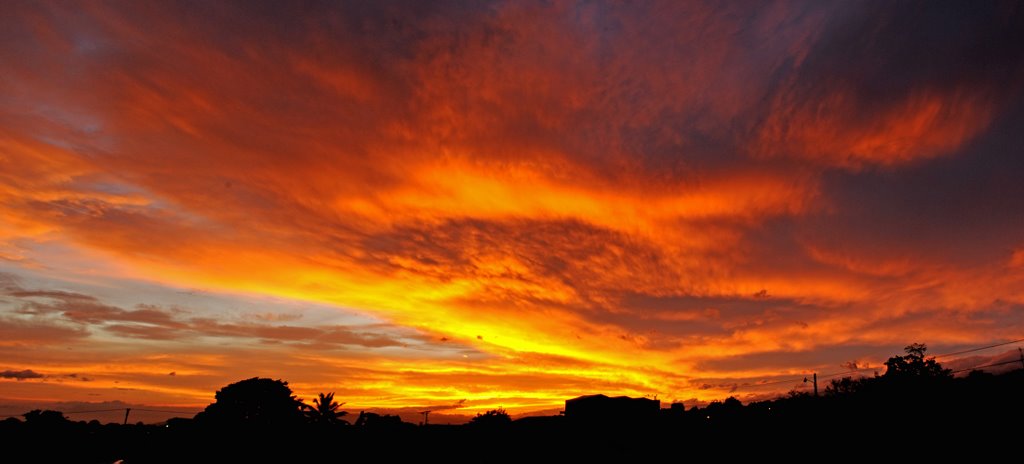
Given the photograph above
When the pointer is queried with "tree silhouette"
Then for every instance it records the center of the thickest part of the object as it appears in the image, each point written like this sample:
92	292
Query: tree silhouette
325	410
493	418
723	409
844	386
45	418
255	402
914	364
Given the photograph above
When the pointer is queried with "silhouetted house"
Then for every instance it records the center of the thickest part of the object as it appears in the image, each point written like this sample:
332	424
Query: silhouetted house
178	422
603	409
380	422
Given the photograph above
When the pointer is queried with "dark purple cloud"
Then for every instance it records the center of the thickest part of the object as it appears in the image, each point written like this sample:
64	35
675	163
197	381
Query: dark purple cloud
21	375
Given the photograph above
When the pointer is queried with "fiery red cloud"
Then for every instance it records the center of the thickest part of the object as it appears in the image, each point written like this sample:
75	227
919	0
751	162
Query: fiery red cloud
509	203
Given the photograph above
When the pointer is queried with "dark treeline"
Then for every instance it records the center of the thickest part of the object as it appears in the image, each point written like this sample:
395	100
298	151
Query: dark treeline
917	409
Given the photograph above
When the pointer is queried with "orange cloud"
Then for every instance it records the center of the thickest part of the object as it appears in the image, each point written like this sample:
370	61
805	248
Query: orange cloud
837	130
529	201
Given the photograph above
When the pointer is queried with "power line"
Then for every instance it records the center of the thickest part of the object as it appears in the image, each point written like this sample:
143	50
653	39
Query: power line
116	410
834	374
133	409
986	365
164	410
801	378
851	371
759	384
980	348
95	410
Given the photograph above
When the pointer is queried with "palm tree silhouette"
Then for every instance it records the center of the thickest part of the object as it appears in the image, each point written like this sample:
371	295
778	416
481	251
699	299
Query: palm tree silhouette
325	410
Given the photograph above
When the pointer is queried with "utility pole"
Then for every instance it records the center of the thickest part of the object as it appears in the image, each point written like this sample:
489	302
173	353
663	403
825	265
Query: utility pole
1021	356
426	417
126	412
815	377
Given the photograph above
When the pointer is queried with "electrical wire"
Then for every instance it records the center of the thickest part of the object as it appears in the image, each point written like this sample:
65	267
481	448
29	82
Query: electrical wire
164	410
804	377
986	365
979	348
834	374
95	410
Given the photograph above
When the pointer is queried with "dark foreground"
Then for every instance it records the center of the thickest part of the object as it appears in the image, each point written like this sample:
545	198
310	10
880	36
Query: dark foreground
917	411
911	418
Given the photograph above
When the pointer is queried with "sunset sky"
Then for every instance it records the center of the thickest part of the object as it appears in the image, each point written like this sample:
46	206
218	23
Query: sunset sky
465	205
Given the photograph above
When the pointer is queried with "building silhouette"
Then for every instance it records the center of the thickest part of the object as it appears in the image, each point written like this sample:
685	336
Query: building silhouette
602	409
